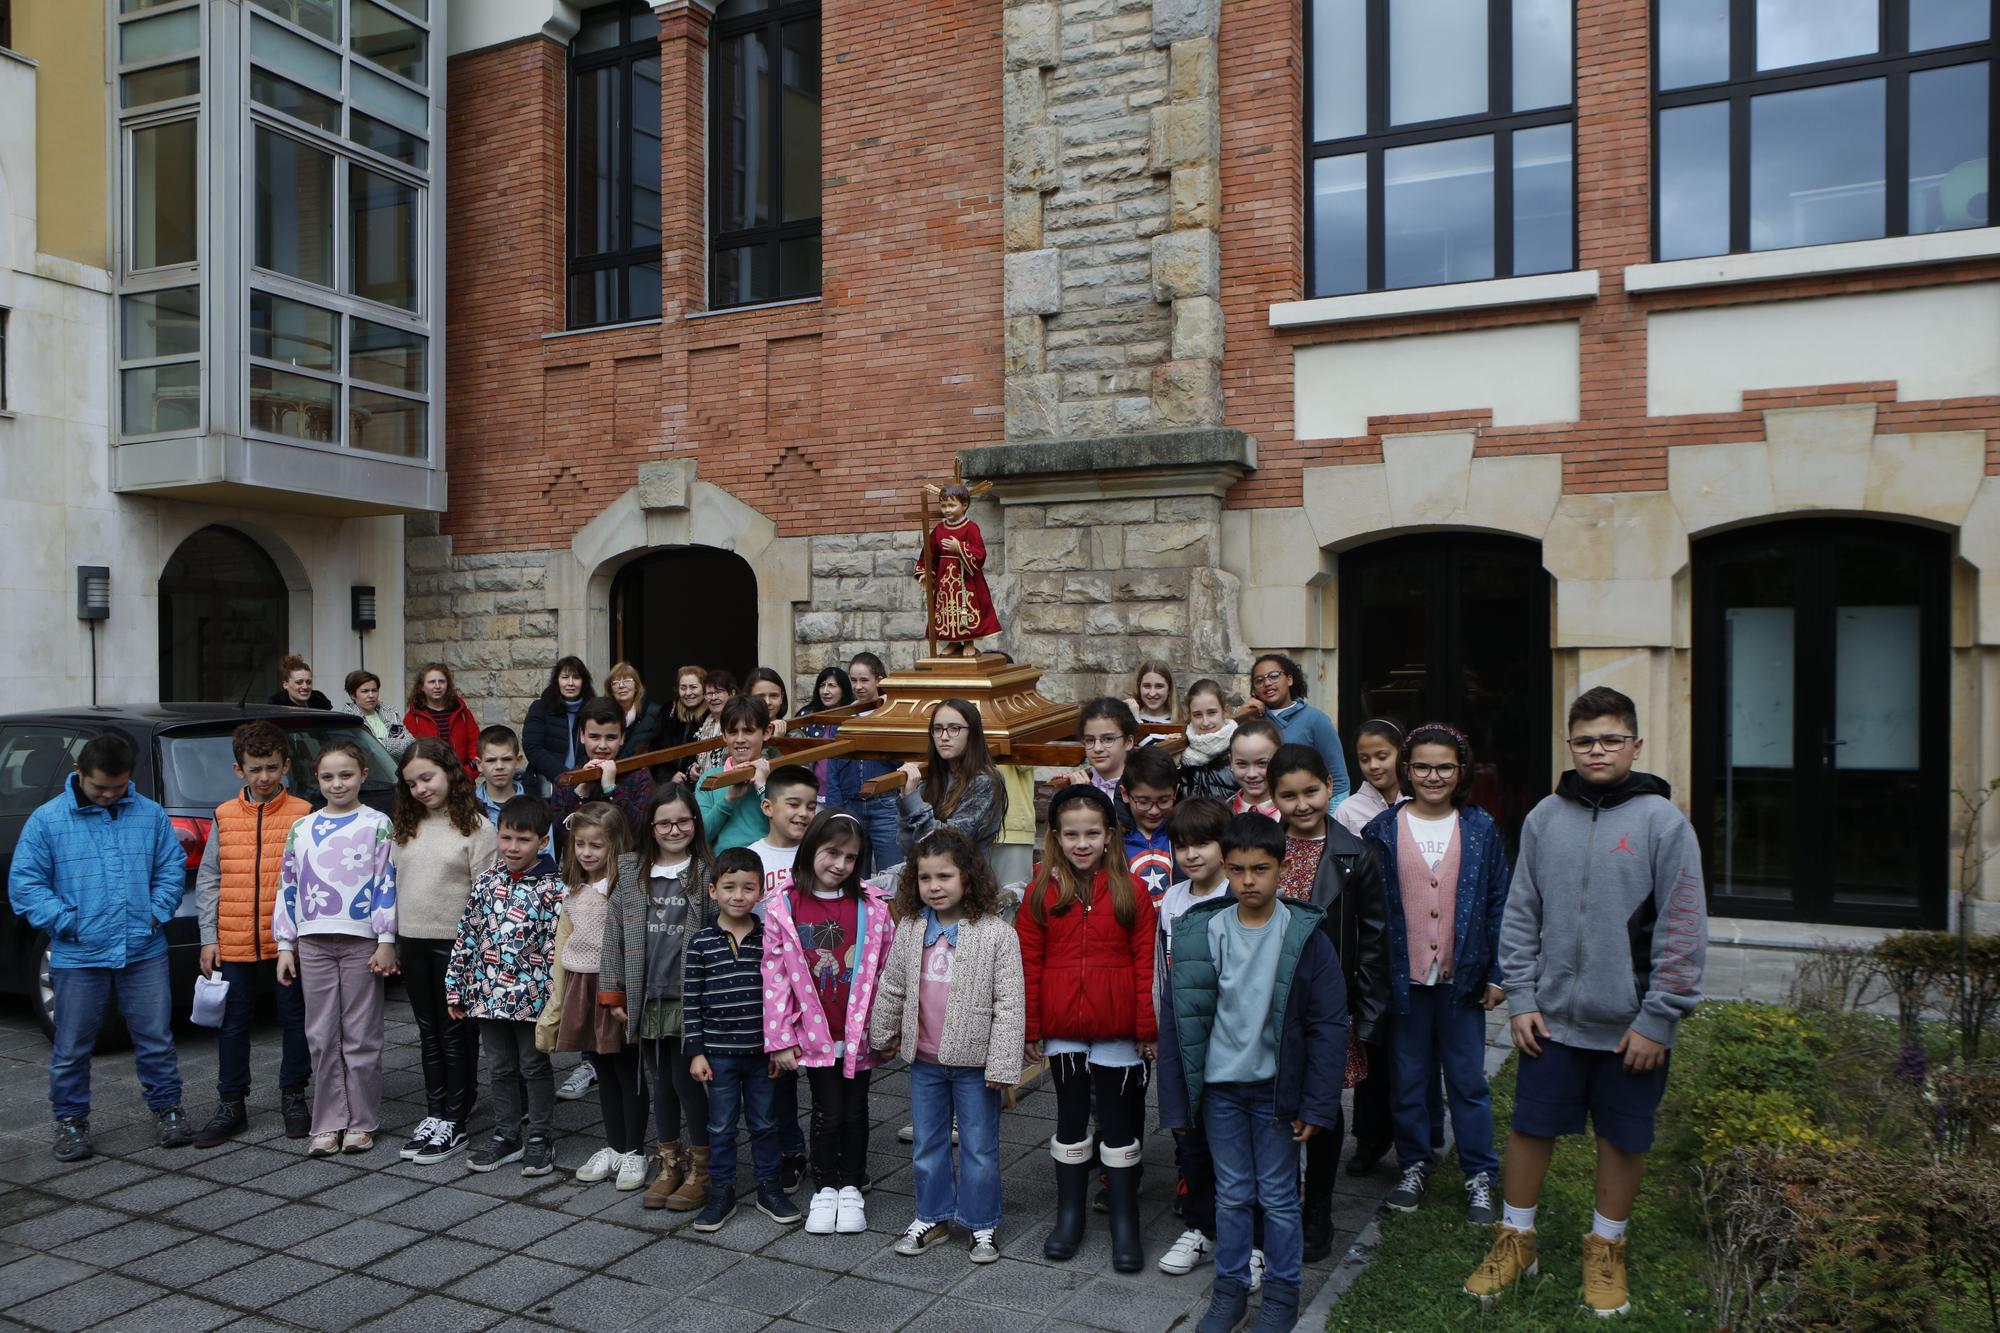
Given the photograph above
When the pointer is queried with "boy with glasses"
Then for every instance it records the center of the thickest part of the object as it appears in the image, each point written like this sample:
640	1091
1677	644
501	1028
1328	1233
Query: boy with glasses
1601	954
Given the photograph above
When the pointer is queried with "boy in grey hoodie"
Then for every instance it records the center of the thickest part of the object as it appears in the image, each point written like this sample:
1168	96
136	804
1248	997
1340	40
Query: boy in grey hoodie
1601	953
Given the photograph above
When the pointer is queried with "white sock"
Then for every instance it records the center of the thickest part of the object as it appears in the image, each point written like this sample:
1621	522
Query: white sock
1600	1225
1520	1219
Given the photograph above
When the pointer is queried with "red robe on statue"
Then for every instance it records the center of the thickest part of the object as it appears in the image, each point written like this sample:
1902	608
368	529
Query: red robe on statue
961	607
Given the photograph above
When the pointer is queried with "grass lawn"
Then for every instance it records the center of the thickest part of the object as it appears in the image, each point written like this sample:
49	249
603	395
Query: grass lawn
1414	1281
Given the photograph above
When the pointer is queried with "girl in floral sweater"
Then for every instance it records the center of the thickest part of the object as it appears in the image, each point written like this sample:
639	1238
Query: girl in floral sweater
335	927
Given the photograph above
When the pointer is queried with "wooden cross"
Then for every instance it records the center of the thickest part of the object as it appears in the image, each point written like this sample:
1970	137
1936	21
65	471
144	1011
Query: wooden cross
928	496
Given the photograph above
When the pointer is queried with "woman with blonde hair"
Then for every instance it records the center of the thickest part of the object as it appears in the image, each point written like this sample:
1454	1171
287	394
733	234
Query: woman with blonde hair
642	716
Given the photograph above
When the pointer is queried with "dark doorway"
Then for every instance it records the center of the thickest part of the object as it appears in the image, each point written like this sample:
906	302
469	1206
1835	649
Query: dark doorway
694	606
1821	748
1452	627
225	616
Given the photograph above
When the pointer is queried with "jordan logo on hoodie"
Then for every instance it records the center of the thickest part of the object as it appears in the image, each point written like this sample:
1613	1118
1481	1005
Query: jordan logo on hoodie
1625	846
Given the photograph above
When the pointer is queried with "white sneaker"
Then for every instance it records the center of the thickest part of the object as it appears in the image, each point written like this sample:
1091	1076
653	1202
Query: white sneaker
852	1218
579	1083
1191	1249
823	1212
601	1164
632	1171
1256	1269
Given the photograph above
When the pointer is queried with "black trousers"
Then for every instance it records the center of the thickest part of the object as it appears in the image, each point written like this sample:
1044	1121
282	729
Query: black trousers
1372	1124
448	1047
621	1096
680	1101
1117	1092
839	1127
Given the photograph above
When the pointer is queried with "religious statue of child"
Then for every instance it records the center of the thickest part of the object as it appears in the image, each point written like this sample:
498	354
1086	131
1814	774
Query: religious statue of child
953	566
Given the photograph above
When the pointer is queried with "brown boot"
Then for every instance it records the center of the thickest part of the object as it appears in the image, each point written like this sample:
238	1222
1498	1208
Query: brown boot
673	1170
694	1190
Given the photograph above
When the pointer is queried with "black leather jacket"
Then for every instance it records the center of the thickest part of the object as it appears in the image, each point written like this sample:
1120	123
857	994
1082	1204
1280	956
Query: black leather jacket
1348	888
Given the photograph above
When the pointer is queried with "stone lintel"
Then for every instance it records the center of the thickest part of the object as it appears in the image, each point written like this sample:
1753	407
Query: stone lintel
1207	461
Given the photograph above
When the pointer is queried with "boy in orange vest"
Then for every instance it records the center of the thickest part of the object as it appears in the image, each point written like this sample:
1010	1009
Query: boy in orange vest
234	892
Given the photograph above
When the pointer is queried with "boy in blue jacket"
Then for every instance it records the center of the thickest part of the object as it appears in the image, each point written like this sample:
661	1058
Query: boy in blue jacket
99	871
1258	1041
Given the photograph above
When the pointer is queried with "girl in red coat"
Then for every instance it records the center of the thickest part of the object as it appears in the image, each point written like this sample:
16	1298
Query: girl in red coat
437	710
1087	964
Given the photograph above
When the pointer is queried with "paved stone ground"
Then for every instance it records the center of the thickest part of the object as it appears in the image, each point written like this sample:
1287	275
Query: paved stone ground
255	1235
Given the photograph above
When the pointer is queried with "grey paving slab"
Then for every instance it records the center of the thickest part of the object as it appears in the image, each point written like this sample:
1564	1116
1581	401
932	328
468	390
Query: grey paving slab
956	1316
514	1282
180	1311
49	1230
221	1209
88	1304
589	1244
673	1265
511	1226
192	1263
267	1281
437	1208
1013	1285
369	1195
601	1304
691	1315
1129	1307
852	1305
157	1195
100	1175
347	1300
364	1240
434	1263
124	1243
25	1279
764	1285
234	1168
286	1226
434	1314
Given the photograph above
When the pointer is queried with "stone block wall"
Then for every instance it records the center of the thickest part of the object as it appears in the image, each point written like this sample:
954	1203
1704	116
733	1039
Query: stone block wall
489	617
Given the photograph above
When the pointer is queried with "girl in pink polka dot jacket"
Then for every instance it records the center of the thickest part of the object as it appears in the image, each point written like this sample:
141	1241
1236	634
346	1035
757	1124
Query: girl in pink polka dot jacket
824	942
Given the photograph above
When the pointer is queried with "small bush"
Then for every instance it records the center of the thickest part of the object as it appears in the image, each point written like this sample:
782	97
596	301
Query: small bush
1746	1075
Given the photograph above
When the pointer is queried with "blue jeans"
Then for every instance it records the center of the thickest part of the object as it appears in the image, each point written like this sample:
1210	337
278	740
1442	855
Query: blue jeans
740	1081
232	1044
937	1094
884	825
1442	1032
145	1000
1256	1167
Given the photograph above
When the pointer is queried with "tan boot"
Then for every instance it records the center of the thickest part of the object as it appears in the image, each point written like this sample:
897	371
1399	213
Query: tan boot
1511	1258
694	1190
673	1170
1605	1291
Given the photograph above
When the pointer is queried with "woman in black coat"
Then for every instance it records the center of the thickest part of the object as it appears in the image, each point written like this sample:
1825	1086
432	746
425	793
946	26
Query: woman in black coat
551	735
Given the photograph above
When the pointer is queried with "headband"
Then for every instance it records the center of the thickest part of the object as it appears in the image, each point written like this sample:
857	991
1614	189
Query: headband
1382	726
832	815
1457	736
1083	791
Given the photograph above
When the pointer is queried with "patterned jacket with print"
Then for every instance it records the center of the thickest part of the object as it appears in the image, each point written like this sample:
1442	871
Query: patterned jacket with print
792	1013
505	950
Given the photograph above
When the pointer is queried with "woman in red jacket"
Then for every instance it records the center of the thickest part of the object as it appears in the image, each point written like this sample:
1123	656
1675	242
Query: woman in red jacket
436	710
1087	964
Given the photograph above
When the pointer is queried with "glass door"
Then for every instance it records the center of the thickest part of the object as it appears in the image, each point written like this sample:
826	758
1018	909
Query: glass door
1821	790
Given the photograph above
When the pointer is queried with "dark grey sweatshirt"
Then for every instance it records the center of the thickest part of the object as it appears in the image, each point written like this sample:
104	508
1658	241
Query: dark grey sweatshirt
1606	925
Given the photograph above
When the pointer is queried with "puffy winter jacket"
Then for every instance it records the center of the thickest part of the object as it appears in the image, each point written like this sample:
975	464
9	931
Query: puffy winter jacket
248	850
1087	977
461	733
98	882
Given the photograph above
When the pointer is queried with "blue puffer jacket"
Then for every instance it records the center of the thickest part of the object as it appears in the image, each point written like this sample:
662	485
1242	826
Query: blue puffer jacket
1480	902
99	883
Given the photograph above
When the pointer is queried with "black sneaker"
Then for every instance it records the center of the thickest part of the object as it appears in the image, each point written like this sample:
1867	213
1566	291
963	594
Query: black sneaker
1479	1209
175	1132
420	1138
777	1205
73	1139
1409	1191
539	1158
229	1120
446	1140
297	1109
717	1208
791	1171
496	1154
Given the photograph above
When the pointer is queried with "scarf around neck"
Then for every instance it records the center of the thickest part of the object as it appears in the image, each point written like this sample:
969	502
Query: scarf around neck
1204	750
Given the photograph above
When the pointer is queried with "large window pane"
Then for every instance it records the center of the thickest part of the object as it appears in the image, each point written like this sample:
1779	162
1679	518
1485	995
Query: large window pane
798	267
743	192
387	139
158	399
595	224
389	356
294	56
161	83
1935	23
1694	181
1816	165
388	39
593	297
1694	42
1340	225
1437	201
293	405
1339	68
1948	166
1543	38
644	189
743	276
319	17
642	291
602	29
295	100
292	331
799	120
1544	220
382	220
385	424
1803	32
1437	60
164	323
294	208
165	213
167	35
389	100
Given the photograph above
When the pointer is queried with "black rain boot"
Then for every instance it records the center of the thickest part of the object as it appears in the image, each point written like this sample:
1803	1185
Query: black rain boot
1073	1162
1128	1254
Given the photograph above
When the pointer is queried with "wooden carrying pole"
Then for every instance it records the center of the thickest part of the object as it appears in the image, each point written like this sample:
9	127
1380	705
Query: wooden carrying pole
729	777
690	749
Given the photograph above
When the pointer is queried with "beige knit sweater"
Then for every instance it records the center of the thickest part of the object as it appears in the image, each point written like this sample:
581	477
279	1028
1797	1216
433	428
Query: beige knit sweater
583	947
434	874
986	1014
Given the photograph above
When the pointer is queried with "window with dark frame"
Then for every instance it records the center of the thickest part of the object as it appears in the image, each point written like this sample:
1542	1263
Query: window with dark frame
1782	123
3	358
1442	143
614	166
764	152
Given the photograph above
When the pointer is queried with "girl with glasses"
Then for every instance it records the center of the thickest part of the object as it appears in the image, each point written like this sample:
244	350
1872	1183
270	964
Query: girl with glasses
959	785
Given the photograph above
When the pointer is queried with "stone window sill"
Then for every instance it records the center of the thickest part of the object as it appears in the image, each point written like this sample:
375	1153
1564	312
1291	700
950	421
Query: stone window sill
589	329
1539	289
1811	260
751	309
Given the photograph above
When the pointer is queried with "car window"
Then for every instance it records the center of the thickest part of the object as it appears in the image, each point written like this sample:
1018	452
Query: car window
34	760
199	768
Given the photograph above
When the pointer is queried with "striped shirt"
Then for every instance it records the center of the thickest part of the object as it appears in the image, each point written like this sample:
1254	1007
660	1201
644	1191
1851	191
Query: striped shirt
722	993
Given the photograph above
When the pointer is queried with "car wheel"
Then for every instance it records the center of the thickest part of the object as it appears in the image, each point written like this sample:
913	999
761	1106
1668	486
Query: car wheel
43	996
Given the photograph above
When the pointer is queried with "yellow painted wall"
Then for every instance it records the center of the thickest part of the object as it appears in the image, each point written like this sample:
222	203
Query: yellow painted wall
66	39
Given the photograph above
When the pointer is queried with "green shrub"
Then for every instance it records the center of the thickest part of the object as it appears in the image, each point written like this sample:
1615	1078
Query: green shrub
1745	1075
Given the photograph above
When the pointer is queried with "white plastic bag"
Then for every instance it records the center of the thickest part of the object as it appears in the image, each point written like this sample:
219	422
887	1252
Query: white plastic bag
210	995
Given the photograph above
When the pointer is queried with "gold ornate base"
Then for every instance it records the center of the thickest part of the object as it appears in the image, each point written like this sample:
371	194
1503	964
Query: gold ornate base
1011	708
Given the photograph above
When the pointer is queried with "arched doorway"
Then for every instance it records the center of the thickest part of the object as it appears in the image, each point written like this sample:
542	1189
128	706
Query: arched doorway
224	617
1454	627
1821	745
691	604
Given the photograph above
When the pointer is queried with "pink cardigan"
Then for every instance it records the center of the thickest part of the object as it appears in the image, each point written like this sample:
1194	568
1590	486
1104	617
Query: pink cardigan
792	1015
